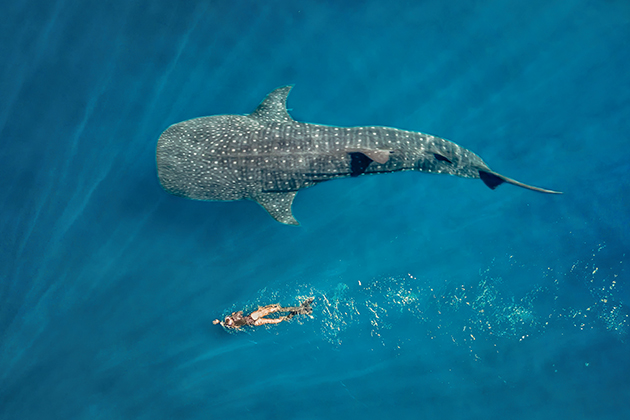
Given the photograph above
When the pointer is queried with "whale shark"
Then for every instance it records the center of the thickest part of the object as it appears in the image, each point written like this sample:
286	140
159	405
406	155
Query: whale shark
268	157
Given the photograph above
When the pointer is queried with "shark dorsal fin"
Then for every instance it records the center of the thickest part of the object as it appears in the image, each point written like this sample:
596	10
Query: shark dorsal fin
274	107
358	163
278	205
360	159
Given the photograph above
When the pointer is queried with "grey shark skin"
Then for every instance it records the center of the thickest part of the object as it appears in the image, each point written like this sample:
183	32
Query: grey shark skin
268	157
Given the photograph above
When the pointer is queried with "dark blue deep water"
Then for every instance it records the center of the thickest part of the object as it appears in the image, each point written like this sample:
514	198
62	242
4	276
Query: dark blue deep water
435	297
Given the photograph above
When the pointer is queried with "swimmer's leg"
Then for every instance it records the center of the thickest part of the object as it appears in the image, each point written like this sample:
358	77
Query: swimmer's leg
263	311
263	321
303	309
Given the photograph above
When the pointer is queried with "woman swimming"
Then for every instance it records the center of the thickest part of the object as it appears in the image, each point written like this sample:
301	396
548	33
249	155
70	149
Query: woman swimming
237	320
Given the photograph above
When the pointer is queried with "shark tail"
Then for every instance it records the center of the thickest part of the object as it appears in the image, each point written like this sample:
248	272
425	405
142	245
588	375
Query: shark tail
493	180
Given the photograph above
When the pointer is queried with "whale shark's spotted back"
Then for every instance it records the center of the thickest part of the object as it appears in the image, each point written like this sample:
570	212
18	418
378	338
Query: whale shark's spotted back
267	156
197	158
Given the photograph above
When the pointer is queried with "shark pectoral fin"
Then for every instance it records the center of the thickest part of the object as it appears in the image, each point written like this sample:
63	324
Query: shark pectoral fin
278	205
493	180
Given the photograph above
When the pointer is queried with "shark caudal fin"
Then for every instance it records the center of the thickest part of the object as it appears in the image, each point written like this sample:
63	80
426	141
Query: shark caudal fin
493	180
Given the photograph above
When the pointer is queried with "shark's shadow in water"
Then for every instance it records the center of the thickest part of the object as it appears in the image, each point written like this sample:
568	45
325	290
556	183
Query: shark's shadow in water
268	157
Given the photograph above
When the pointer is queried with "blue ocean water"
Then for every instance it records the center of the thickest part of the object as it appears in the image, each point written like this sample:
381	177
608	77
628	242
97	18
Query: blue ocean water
435	297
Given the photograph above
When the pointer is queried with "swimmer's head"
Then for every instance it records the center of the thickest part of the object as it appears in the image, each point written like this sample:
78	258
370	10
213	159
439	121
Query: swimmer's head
228	322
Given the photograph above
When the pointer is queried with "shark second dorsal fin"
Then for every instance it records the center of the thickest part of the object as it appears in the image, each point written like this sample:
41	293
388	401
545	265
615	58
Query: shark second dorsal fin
278	205
274	107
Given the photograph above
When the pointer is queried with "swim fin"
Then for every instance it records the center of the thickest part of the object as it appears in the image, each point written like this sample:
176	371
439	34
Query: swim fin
303	309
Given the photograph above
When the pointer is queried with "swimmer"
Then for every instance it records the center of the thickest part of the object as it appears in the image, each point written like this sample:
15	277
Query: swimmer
236	320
